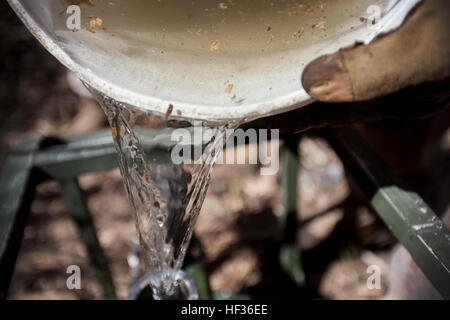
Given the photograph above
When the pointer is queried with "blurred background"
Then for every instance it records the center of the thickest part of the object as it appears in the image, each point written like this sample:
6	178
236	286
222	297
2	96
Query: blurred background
38	96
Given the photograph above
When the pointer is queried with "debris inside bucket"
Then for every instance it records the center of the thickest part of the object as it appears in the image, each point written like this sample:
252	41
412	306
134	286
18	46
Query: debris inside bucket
213	26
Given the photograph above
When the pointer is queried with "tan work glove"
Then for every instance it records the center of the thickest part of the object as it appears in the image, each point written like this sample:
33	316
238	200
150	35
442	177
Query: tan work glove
402	74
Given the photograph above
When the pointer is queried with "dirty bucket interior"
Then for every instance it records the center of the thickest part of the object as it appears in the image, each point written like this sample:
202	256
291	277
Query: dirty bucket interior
211	60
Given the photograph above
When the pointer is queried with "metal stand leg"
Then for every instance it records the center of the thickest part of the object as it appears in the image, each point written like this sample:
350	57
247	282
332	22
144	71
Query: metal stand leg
198	274
290	255
17	185
74	199
32	162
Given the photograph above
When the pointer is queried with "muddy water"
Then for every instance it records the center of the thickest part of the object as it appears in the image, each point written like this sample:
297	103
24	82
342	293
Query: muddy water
223	26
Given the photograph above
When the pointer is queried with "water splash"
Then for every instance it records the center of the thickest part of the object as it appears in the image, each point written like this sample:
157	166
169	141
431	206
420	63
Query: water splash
181	286
165	197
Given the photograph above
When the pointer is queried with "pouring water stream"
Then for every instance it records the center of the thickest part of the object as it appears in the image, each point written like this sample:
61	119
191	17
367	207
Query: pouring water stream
165	197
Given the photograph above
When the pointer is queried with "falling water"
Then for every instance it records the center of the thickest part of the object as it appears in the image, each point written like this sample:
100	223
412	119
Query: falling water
166	197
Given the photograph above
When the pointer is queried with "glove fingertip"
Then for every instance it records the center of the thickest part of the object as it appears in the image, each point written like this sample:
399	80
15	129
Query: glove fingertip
326	79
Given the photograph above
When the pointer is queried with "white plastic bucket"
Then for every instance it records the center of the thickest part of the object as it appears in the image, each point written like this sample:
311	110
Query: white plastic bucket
132	60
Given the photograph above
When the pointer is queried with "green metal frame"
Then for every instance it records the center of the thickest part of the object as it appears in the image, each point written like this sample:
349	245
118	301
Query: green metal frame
17	184
35	161
74	199
290	255
405	213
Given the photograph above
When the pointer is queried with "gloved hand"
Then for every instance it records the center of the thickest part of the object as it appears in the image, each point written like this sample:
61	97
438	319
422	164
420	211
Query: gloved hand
402	74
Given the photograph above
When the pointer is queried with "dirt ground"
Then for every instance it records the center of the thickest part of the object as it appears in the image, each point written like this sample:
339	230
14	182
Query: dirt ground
236	226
